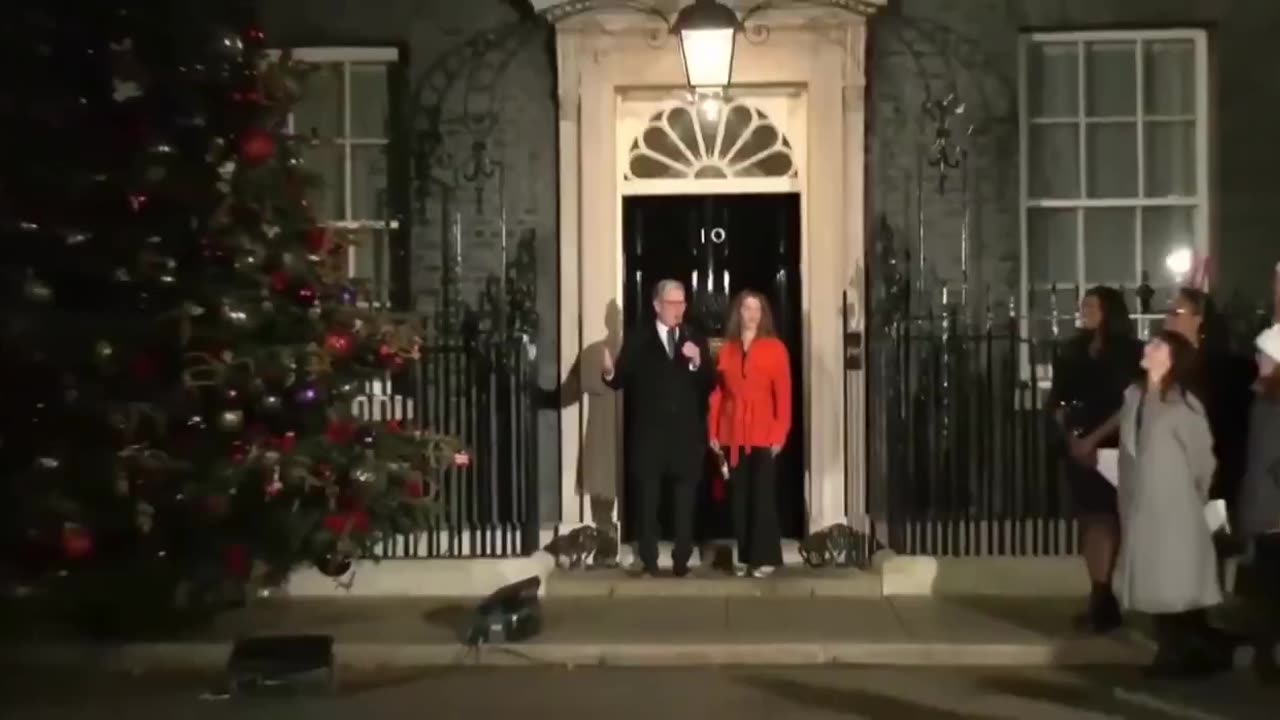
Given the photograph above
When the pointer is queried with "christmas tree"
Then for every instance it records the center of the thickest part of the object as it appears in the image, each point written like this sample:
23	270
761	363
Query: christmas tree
182	345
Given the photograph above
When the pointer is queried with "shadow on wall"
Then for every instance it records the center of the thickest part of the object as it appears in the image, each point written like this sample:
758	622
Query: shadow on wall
597	466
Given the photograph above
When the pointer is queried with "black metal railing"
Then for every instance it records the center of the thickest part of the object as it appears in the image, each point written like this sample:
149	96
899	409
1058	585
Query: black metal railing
960	453
962	459
478	391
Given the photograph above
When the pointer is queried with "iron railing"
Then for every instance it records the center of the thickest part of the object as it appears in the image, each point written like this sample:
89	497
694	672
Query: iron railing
478	391
961	457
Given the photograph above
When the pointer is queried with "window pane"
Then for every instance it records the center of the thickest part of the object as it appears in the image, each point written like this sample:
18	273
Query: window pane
1050	312
1170	158
1110	246
1170	77
1053	88
369	182
369	101
1165	229
319	110
1111	83
1051	247
324	161
1054	165
369	255
1112	160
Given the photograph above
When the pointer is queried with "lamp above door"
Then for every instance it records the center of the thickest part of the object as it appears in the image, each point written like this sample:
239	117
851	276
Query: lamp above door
706	30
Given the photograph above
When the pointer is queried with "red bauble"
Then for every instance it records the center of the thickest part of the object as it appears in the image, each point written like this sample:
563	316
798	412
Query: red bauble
217	505
257	146
340	432
355	522
317	239
77	542
279	281
337	343
143	367
414	486
288	441
235	560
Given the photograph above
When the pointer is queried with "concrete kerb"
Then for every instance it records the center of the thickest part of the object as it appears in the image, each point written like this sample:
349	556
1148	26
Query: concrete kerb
364	656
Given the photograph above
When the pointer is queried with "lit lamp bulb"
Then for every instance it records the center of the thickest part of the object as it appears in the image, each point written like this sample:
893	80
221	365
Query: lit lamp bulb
1178	262
709	106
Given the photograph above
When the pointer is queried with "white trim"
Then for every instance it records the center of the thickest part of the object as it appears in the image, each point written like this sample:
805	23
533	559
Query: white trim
1093	203
1123	35
1024	184
1109	119
350	54
1201	217
735	186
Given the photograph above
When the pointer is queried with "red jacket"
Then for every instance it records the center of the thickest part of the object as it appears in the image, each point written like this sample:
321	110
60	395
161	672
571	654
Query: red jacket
751	403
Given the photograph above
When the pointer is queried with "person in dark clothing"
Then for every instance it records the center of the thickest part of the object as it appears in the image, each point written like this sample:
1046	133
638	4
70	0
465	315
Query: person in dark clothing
1260	506
1224	381
1089	380
667	374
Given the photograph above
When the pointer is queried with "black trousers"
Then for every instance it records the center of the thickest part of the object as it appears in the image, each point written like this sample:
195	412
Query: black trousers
677	472
753	496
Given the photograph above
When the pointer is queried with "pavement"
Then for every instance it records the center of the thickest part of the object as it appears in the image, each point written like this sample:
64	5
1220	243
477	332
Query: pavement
688	693
632	629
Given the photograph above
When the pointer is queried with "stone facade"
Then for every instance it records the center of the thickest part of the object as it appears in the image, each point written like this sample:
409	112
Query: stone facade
470	68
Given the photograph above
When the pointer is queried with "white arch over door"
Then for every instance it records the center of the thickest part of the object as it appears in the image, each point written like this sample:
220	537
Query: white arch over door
753	142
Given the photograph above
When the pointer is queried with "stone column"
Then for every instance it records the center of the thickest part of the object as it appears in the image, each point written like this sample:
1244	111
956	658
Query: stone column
571	416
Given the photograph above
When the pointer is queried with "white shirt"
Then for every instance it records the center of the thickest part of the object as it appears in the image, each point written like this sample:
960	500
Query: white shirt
662	333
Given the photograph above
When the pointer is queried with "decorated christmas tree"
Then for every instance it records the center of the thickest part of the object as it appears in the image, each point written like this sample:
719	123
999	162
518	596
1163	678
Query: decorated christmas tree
181	343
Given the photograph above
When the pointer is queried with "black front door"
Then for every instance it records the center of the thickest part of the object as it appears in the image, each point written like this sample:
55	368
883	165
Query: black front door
718	245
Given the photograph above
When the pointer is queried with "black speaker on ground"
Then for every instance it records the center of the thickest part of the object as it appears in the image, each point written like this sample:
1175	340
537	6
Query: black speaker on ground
511	614
281	663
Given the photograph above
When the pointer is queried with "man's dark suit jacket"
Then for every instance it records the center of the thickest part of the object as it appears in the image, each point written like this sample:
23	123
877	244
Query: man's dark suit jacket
667	402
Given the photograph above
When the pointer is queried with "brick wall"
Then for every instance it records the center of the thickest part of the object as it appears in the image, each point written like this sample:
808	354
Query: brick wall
971	47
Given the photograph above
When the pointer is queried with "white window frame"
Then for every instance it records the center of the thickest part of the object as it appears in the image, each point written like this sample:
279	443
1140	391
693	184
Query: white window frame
1200	201
346	57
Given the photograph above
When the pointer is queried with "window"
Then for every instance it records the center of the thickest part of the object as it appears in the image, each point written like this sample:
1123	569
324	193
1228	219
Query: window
345	110
1114	135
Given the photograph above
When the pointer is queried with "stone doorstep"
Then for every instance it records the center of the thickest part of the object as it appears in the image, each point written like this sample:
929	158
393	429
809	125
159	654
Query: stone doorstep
787	582
212	656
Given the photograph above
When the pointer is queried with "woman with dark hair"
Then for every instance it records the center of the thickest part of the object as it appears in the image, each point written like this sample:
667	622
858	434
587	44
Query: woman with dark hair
749	420
1222	381
1167	565
1089	380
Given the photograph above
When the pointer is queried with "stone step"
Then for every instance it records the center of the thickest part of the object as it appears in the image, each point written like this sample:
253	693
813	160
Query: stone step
786	582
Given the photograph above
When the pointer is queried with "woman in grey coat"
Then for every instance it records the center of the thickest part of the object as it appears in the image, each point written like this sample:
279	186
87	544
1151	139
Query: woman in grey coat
1167	565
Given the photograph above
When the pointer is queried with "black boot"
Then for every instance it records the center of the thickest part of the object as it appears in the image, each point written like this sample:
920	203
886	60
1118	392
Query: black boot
1104	609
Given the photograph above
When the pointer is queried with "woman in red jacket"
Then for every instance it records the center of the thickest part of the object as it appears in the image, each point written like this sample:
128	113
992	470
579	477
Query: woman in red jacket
750	418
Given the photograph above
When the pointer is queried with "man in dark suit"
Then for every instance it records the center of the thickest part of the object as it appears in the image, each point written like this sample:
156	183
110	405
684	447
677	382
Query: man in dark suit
667	375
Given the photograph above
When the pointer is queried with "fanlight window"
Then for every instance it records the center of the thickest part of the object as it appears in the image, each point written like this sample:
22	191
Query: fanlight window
738	142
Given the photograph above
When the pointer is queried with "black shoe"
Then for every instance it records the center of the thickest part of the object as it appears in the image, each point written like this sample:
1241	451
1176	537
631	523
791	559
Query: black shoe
680	571
643	571
1103	614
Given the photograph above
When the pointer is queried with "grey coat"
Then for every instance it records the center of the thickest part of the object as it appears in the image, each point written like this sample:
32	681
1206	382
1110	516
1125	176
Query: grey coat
1167	562
1259	500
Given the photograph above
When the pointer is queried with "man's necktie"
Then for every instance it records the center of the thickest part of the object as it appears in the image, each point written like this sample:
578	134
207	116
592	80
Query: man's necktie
671	342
